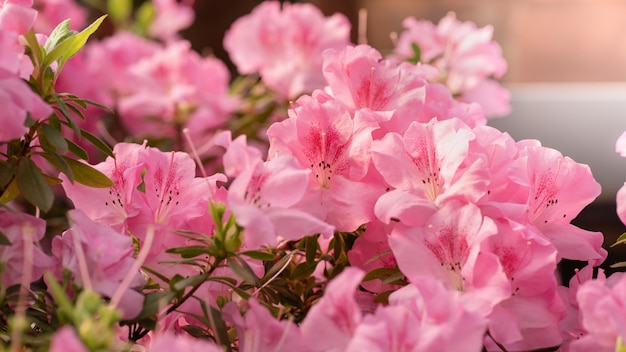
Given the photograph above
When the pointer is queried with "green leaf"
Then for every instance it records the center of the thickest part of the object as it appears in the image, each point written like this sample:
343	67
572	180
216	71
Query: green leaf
620	239
277	267
144	17
54	137
62	106
189	251
60	164
153	302
218	326
303	270
618	265
77	150
7	172
258	255
67	48
36	50
10	192
103	147
380	273
60	33
87	175
120	10
4	240
189	281
33	186
311	248
243	270
417	54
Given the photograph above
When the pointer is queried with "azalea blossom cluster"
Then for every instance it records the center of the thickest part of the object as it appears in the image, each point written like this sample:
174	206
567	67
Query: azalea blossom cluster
382	213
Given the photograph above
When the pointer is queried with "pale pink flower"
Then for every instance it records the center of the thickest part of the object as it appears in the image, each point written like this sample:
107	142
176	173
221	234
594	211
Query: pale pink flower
620	145
424	167
358	78
336	316
66	340
18	101
453	247
559	189
53	12
170	17
423	316
17	16
335	147
108	258
603	314
262	198
466	56
620	148
14	226
284	45
168	342
258	330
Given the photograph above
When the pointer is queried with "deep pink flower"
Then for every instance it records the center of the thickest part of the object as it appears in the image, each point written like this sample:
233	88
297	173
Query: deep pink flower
17	16
14	226
284	45
168	342
108	259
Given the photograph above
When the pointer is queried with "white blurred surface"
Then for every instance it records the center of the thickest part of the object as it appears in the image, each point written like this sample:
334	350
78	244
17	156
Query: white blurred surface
581	120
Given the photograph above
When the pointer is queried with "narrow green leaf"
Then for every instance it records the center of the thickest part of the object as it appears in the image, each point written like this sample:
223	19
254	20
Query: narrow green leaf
67	48
190	281
10	192
77	150
189	251
54	136
103	147
7	173
62	106
87	175
258	255
36	50
61	32
144	16
620	239
303	270
618	265
417	54
33	186
4	240
153	302
219	328
60	164
276	267
311	248
380	273
243	270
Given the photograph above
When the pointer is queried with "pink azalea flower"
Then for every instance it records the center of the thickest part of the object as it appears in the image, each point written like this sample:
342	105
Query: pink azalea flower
529	318
170	17
359	79
424	167
112	206
168	342
603	314
17	16
66	340
284	45
620	148
258	330
453	247
325	139
421	317
262	199
336	316
465	55
13	257
560	189
18	101
108	255
53	12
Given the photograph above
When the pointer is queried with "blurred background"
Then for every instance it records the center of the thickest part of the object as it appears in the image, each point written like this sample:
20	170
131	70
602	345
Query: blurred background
567	73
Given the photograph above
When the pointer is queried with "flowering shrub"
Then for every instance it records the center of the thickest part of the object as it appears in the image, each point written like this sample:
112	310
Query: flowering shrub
329	198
